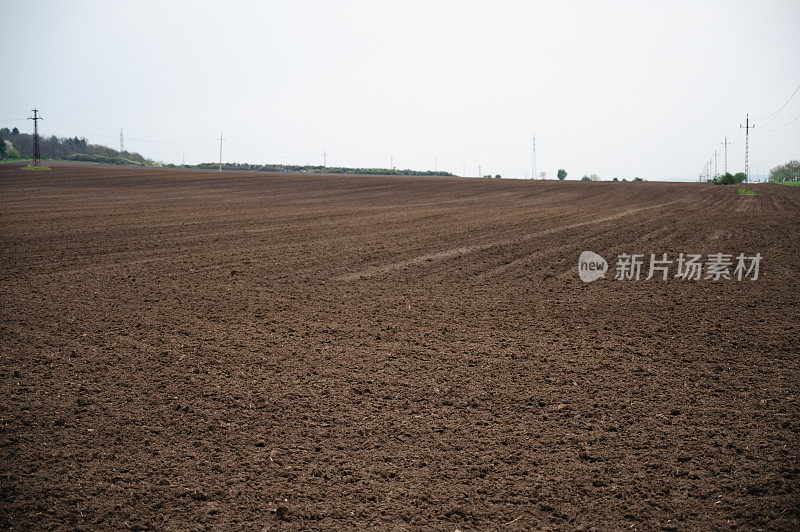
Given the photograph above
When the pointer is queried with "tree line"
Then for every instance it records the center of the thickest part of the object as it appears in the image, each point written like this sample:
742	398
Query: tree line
16	145
312	169
789	172
785	172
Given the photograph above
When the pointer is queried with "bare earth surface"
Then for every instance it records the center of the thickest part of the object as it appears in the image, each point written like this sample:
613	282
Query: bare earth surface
184	350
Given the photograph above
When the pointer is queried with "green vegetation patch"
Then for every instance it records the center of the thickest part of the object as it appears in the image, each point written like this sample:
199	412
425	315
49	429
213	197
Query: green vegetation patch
729	179
747	192
786	173
105	159
36	168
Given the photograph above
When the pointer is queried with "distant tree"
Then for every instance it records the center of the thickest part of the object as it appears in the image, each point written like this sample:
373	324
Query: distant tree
638	179
3	151
586	178
4	131
616	179
786	172
542	175
15	131
497	176
562	174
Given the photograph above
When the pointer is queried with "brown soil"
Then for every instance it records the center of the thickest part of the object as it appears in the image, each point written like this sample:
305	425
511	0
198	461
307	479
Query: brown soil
184	350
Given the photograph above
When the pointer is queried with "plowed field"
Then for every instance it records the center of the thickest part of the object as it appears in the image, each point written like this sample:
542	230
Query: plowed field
189	350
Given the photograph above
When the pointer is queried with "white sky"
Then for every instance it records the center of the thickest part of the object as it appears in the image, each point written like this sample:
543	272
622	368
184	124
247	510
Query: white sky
616	88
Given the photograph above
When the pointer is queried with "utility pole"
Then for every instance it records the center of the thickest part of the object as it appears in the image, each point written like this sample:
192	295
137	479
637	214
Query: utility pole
464	170
435	163
184	159
715	164
121	144
391	162
36	118
726	153
533	175
220	151
324	158
747	127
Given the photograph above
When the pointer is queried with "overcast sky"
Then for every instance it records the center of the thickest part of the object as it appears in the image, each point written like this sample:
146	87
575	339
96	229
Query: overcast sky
620	89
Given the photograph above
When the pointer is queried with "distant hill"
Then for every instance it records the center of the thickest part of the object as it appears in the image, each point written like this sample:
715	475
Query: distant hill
294	168
16	145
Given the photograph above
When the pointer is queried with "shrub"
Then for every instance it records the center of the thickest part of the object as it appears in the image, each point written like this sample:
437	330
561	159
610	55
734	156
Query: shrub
729	179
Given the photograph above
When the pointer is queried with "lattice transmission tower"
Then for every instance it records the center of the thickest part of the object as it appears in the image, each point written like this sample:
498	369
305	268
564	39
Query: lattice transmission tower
36	154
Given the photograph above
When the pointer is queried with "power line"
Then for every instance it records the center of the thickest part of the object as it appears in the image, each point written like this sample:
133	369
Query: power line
772	117
736	138
792	121
88	126
109	132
